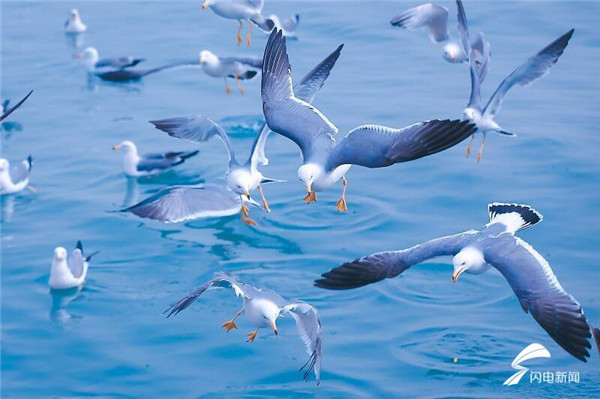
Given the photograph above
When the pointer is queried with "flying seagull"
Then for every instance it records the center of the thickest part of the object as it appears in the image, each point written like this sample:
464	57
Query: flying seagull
262	308
434	19
136	165
16	178
326	161
6	112
74	24
93	63
238	68
181	203
69	273
496	245
530	71
242	10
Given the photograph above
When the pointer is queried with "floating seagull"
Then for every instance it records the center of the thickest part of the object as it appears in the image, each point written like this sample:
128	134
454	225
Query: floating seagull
69	273
93	63
136	165
74	23
181	203
326	161
238	68
262	308
533	69
242	10
434	18
496	245
287	25
16	178
6	112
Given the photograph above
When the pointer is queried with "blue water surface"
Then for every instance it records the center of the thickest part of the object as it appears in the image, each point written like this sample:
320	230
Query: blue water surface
414	336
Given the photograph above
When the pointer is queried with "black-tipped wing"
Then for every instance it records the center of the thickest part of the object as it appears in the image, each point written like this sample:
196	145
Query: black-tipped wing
540	293
285	114
308	87
533	69
373	268
196	129
180	203
17	105
429	16
308	323
219	280
375	146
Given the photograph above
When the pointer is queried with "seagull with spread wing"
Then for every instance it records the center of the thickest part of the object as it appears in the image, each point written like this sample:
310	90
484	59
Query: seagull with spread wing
181	203
67	273
93	63
326	161
534	68
475	252
262	309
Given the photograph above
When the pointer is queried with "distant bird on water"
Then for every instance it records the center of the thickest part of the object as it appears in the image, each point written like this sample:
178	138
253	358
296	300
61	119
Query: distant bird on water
16	178
262	309
495	246
67	273
74	24
136	165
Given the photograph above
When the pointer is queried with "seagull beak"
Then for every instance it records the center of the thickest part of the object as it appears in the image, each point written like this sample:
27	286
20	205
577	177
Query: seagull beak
452	58
274	328
116	147
247	194
206	4
78	55
457	273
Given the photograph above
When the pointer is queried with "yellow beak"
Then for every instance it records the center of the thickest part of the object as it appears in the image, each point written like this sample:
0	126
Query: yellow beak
78	55
247	194
457	273
206	4
117	147
274	328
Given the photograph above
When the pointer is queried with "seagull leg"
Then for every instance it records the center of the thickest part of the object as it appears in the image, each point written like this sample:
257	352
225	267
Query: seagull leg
227	89
252	335
31	188
341	204
469	146
480	152
239	33
310	197
238	84
230	325
244	215
248	42
264	200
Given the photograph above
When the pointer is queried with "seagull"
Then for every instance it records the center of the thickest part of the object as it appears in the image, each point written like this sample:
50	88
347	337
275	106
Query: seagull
6	111
326	161
74	23
242	10
135	165
16	178
69	273
434	18
93	63
287	25
238	68
262	308
530	71
181	203
475	252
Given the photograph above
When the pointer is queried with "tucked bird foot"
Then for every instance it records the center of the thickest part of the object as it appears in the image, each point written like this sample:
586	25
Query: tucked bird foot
469	146
241	89
248	221
32	189
310	197
229	325
252	336
79	287
479	154
239	39
341	205
227	90
266	205
248	41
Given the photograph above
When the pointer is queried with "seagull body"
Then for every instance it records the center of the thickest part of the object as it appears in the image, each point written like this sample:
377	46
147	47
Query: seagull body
7	111
182	203
530	71
287	25
16	178
262	309
326	161
74	24
242	10
238	68
93	63
475	252
67	273
135	165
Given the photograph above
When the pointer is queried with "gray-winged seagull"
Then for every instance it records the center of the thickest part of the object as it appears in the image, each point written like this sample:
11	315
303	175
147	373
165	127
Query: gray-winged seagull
74	24
238	68
326	161
93	63
136	165
262	308
67	273
16	178
496	245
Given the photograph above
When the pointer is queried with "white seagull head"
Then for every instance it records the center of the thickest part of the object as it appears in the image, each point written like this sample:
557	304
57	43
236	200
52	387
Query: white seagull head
207	4
468	260
452	52
208	57
89	56
74	14
270	312
308	173
240	182
60	254
4	165
127	147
